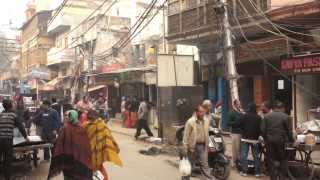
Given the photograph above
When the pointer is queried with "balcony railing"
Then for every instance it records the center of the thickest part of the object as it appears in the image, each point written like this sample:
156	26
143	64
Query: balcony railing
56	56
187	16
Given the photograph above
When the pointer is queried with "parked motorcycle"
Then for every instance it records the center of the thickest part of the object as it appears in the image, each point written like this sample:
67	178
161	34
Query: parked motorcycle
217	160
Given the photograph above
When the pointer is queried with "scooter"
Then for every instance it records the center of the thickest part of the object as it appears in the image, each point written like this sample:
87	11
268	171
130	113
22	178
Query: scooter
217	160
216	155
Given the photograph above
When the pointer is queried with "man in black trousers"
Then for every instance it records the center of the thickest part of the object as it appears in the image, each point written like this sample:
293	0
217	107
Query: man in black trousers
143	113
277	131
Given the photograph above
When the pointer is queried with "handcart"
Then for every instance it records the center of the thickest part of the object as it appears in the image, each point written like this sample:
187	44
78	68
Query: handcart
27	152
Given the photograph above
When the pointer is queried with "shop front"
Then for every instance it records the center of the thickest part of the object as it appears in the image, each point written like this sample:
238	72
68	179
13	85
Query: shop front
258	81
305	73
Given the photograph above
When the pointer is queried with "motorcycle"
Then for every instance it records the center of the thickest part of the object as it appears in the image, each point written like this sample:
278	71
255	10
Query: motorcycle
217	160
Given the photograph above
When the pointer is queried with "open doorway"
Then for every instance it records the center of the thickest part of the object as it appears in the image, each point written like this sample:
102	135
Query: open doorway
282	91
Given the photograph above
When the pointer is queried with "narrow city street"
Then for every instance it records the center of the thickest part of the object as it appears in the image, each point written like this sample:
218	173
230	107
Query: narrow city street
136	165
217	75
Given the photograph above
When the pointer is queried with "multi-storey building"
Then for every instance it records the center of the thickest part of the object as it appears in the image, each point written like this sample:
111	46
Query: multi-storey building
10	54
35	41
266	33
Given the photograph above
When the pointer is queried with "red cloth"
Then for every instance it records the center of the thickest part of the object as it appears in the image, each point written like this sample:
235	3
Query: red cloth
83	118
134	119
131	119
72	153
128	121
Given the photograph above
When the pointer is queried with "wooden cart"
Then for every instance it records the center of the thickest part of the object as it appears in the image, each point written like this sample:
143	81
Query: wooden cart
28	152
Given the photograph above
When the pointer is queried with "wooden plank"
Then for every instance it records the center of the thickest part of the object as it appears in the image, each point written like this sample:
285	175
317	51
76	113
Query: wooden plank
31	148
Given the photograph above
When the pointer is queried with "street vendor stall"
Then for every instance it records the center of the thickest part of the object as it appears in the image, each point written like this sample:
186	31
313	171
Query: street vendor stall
308	142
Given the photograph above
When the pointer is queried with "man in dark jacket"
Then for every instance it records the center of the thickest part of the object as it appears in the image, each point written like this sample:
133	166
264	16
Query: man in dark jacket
277	132
55	105
50	122
8	120
250	124
23	114
233	123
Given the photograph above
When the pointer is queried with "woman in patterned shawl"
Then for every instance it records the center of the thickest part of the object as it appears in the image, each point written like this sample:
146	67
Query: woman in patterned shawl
72	152
103	146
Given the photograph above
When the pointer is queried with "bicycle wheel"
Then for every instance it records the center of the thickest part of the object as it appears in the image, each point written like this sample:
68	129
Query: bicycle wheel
299	170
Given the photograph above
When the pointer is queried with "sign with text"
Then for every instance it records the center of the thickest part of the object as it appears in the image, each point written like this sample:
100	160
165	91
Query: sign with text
304	64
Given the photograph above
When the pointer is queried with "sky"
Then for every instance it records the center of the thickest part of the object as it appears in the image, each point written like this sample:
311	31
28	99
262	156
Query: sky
14	10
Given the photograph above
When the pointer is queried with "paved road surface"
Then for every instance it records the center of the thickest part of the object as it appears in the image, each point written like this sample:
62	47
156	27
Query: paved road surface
136	166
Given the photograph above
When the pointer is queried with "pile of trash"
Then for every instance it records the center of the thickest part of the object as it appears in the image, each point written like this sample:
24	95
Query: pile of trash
154	151
154	140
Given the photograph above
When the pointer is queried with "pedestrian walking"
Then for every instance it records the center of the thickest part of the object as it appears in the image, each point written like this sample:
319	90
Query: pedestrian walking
218	112
128	122
196	140
123	109
8	121
134	111
143	114
23	114
50	121
250	124
234	117
72	152
101	105
266	108
58	106
83	106
277	132
103	146
213	118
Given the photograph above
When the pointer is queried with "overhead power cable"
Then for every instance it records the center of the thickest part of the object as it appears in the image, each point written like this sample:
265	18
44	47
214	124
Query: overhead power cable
276	25
132	30
245	10
254	51
88	17
85	32
134	35
60	8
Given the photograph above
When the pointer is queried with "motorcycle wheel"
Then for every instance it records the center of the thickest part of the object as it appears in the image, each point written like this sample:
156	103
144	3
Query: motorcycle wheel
221	171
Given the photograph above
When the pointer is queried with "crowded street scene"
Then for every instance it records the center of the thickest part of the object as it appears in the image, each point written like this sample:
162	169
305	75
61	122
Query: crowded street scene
160	89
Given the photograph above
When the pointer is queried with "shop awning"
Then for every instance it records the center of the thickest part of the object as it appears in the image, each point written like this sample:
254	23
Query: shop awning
47	88
142	69
50	86
96	88
53	82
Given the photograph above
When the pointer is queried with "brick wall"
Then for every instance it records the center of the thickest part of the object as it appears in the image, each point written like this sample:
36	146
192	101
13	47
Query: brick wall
262	89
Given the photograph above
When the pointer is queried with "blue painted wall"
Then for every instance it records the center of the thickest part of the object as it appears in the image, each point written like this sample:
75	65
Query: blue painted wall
223	96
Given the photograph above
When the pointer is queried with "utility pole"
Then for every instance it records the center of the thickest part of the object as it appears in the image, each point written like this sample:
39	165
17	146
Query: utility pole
90	64
222	9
